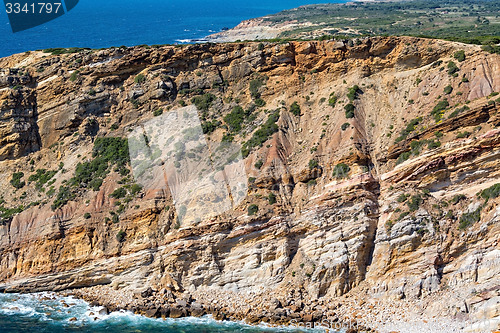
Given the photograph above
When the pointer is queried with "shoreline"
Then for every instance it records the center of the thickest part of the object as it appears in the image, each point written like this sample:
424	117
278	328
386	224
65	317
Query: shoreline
167	304
349	313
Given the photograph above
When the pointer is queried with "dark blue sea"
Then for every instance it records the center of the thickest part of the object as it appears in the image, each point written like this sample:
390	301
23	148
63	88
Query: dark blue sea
98	24
47	313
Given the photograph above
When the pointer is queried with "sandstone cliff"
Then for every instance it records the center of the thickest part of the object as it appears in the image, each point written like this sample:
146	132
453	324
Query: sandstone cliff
381	186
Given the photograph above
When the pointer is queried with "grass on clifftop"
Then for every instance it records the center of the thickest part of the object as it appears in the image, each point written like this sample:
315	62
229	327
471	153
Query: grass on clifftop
469	21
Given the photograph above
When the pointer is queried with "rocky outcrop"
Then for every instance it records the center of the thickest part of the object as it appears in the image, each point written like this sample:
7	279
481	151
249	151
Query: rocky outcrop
380	207
18	113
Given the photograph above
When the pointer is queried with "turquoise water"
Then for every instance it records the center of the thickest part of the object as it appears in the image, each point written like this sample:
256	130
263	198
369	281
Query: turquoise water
46	313
98	24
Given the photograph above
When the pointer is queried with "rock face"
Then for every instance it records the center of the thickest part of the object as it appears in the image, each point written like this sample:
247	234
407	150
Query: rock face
381	205
19	130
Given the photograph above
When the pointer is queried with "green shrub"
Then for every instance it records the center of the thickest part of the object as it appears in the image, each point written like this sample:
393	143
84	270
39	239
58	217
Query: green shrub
135	188
313	164
119	193
491	48
402	198
271	198
457	198
432	144
260	102
235	118
253	209
203	102
6	214
87	216
468	219
259	164
353	93
140	78
448	89
210	126
452	68
464	134
440	106
459	55
341	170
41	177
332	100
16	180
349	111
92	92
63	196
491	192
410	127
403	157
254	88
120	236
414	202
262	134
158	112
345	126
295	109
74	76
403	215
388	225
458	111
89	175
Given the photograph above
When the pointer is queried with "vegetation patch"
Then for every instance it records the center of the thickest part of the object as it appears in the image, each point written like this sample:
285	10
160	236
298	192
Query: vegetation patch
332	100
90	174
271	198
467	219
41	177
235	118
255	85
437	111
349	111
410	127
313	164
458	111
459	55
341	170
140	78
414	202
6	214
452	68
17	181
491	192
262	134
353	93
120	236
203	102
209	127
295	109
253	209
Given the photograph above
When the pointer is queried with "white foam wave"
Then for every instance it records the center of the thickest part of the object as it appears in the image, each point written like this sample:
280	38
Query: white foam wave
68	311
